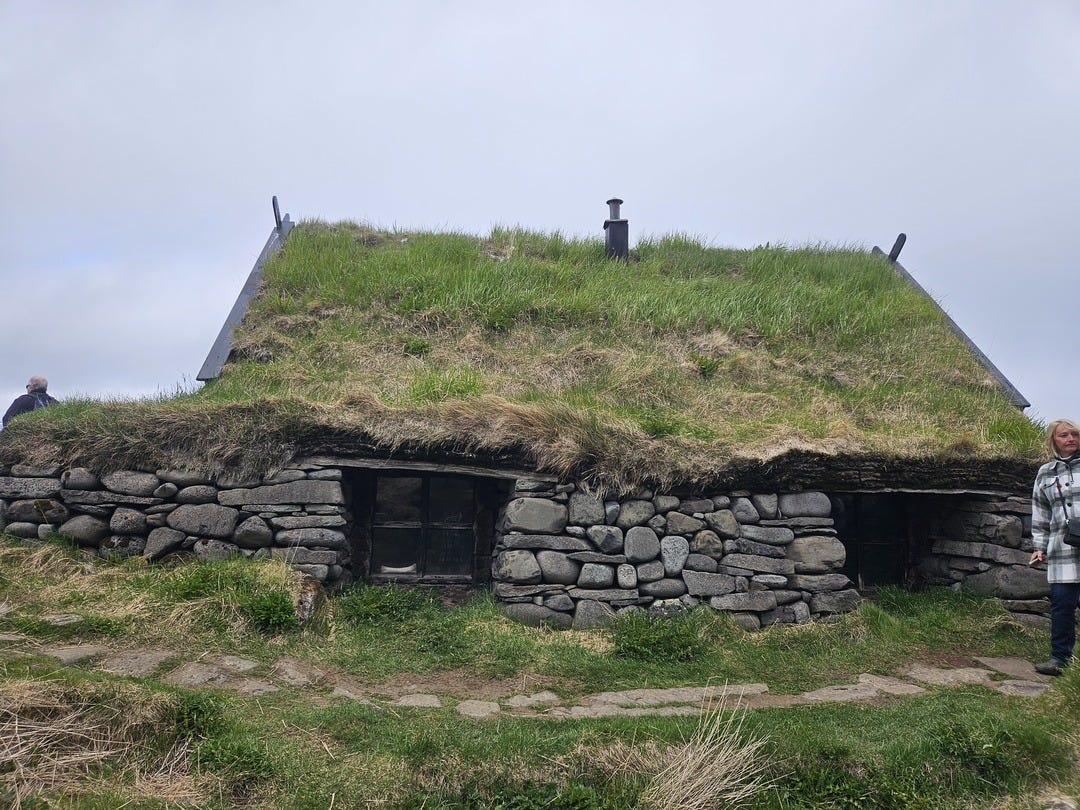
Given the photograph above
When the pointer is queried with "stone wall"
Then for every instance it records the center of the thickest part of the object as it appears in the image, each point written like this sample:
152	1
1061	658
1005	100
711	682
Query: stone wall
298	515
570	559
982	545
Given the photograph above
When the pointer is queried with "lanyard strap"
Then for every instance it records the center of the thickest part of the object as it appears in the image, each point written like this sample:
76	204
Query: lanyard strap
1061	495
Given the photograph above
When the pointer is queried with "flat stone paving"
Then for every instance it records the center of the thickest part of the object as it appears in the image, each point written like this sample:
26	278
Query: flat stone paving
1009	676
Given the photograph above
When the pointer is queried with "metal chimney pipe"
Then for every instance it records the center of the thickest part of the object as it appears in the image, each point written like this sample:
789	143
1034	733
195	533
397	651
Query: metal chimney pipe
617	232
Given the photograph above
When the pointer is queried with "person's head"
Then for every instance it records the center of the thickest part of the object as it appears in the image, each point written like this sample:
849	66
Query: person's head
37	383
1062	438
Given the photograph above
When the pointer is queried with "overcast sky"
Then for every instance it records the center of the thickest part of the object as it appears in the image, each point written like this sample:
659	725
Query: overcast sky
141	142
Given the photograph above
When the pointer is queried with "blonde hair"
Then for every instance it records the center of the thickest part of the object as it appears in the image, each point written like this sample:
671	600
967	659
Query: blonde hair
1052	428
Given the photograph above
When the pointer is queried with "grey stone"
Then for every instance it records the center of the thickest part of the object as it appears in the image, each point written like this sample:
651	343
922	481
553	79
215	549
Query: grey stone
585	510
801	522
699	583
204	520
129	482
200	493
1004	530
597	557
818	582
80	498
766	505
84	530
1009	582
665	503
608	539
589	613
39	510
785	597
504	590
696	506
762	565
678	523
575	531
641	543
519	567
816	554
158	509
533	485
127	521
79	478
634	514
700	562
122	545
16	488
772	535
735	571
673	553
537	615
707	543
233	480
558	601
556	567
740	545
208	550
300	555
747	621
324	538
608	595
161	542
723	522
535	515
756	601
720	501
297	492
663	588
44	530
594	575
31	471
835	601
805	504
285	477
166	490
308	522
611	512
253	533
626	576
544	541
325	475
658	523
981	551
745	511
650	571
180	478
769	580
25	530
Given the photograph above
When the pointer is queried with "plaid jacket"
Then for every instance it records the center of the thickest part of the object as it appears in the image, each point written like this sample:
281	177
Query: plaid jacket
1057	486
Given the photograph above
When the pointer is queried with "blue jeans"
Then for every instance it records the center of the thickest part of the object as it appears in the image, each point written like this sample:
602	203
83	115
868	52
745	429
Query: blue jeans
1063	599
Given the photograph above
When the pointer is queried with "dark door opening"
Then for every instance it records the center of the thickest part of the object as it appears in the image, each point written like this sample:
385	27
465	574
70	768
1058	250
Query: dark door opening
877	533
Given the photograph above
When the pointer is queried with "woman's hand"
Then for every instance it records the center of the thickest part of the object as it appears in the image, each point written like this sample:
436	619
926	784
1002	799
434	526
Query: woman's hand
1036	557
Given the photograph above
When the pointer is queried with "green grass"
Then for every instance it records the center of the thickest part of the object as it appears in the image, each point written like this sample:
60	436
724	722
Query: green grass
952	748
678	360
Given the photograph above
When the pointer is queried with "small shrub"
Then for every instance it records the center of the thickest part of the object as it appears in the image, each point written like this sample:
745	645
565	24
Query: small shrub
239	756
460	382
271	612
640	637
199	715
416	347
706	366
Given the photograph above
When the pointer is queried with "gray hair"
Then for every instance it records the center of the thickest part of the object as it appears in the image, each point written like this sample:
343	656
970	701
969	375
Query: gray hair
38	383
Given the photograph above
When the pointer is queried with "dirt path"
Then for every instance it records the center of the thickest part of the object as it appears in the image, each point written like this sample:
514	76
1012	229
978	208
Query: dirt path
478	698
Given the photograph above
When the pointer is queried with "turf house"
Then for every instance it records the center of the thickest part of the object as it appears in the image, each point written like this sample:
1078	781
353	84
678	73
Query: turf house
580	426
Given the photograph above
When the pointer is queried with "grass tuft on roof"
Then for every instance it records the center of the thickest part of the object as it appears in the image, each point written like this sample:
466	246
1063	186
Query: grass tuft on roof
663	368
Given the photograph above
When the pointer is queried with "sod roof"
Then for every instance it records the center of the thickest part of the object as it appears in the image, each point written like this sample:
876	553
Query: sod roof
686	366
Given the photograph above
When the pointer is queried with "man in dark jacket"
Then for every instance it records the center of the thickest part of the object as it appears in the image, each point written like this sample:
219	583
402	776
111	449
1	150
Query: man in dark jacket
34	398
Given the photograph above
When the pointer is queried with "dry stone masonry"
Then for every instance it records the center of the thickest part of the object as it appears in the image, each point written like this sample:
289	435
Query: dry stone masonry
297	515
571	559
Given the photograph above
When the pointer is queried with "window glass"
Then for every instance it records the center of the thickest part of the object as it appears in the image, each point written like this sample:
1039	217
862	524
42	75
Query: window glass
399	500
451	501
449	551
395	551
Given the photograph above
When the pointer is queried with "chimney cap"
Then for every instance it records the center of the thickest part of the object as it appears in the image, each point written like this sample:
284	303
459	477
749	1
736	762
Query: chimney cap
615	200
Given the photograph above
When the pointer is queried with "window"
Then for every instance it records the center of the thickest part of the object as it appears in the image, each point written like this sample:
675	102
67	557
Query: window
423	526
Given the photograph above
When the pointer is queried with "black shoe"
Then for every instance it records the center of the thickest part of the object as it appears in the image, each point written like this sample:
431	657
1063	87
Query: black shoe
1052	667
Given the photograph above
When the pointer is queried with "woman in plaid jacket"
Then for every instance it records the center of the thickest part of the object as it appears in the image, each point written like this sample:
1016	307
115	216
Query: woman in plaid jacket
1057	485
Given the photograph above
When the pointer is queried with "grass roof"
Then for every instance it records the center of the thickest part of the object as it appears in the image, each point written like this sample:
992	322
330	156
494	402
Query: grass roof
672	368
